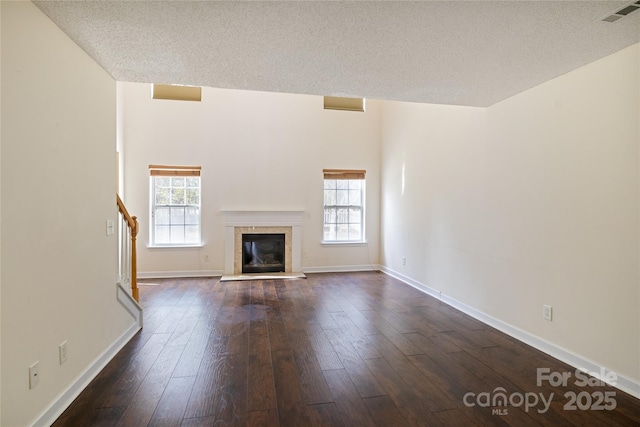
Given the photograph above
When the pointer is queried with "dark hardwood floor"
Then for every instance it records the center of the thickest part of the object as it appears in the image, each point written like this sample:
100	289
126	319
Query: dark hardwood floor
354	349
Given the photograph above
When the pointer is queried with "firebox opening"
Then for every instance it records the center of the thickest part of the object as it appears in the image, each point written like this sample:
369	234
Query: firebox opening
263	253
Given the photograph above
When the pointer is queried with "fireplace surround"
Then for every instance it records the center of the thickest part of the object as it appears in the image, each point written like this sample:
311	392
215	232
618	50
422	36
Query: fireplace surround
237	223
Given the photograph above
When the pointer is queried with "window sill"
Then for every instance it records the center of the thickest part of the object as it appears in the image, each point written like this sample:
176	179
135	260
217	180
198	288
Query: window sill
344	243
195	245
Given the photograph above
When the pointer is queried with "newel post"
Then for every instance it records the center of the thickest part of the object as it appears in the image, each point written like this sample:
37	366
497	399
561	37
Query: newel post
134	268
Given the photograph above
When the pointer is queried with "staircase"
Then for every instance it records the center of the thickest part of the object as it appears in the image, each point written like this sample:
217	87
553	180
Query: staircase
127	268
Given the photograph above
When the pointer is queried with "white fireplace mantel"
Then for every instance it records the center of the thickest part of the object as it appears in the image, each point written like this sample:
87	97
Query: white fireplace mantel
233	219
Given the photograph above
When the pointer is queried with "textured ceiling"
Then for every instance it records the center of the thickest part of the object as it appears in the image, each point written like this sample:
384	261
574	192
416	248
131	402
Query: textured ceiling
450	52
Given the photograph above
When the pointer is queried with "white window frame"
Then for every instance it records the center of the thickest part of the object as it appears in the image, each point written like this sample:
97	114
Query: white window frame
347	177
174	173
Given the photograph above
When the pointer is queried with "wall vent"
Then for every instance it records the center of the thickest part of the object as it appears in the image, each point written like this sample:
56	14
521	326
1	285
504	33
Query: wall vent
345	104
622	12
177	92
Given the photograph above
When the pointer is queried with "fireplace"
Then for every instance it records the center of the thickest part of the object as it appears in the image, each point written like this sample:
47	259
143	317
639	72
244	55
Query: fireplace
238	223
263	253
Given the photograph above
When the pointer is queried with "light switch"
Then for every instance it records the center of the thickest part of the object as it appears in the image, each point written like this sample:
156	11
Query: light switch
110	227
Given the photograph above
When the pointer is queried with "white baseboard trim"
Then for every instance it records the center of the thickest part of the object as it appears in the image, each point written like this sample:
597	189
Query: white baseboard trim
179	274
413	283
623	383
62	402
341	268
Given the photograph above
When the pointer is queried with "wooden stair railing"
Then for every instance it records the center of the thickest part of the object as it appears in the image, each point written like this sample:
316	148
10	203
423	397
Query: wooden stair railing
127	262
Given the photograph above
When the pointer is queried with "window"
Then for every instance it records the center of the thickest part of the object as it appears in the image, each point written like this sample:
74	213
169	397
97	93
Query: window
343	205
175	205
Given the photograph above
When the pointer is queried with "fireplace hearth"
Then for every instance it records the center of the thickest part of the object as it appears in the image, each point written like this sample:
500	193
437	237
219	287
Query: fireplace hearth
263	253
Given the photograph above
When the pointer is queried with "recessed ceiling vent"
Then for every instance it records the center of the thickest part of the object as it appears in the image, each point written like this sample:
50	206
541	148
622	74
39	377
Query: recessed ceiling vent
622	12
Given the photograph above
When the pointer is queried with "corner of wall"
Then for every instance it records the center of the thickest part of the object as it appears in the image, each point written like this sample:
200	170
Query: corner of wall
542	209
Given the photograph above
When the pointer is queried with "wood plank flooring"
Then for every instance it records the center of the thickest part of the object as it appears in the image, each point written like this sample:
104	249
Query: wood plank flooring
348	349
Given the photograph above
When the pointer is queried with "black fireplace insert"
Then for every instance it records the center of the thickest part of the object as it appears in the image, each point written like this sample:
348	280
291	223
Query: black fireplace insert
263	253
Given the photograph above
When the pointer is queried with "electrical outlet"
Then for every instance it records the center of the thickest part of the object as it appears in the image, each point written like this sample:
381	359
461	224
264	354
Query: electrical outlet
547	312
404	260
62	351
34	375
206	258
305	254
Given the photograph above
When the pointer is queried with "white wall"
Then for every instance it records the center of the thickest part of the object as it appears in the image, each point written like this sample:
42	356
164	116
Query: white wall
429	154
0	217
258	151
58	188
570	151
532	201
